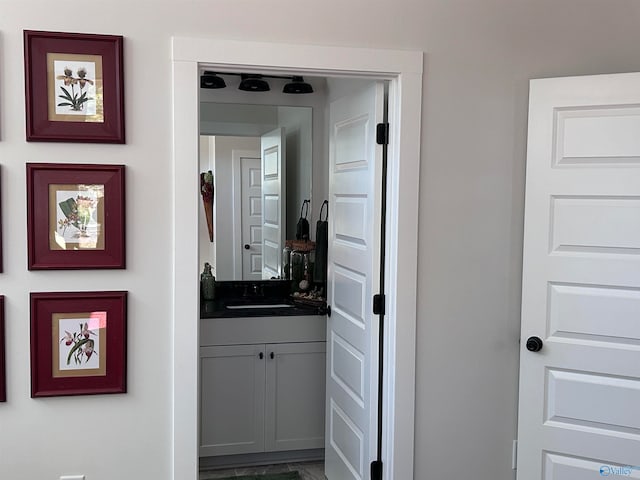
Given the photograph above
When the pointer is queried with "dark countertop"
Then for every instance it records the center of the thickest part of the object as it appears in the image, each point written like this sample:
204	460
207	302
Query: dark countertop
218	309
269	292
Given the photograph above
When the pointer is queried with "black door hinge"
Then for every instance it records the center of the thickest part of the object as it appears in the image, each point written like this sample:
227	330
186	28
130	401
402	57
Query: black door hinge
382	134
376	470
378	304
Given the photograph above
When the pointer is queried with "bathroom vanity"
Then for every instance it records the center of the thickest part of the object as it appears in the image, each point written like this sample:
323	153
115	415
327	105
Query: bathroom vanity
262	373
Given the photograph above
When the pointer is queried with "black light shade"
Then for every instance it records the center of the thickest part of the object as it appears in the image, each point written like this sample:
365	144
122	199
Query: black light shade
297	85
253	83
211	80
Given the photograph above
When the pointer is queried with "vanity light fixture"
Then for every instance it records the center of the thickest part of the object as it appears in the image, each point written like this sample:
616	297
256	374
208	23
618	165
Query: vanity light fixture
251	82
211	80
297	85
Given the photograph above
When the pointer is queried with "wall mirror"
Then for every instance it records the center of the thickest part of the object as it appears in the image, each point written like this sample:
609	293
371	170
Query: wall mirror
261	158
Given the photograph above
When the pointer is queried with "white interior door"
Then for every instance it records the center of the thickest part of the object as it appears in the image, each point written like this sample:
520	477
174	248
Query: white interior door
246	215
353	277
579	410
273	201
251	194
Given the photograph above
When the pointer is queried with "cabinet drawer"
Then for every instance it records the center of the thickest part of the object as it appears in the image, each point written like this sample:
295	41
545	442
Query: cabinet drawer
245	330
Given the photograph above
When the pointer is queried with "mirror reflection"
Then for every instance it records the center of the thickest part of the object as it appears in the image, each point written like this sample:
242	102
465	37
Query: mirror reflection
261	160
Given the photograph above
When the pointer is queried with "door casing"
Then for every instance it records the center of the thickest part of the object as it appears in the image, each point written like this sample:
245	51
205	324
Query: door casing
403	69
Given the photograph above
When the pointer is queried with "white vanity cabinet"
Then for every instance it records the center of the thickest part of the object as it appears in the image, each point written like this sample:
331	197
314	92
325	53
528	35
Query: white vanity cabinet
295	396
232	393
262	384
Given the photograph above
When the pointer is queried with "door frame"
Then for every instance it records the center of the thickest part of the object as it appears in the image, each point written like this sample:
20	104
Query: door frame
403	69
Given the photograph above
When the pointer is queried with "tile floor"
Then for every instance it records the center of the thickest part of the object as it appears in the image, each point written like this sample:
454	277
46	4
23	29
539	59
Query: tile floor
307	470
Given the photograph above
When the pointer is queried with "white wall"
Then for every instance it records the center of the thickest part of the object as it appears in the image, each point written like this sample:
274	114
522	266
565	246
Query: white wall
297	125
206	248
479	57
224	199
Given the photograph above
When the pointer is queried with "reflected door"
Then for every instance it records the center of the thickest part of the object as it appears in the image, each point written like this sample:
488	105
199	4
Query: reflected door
273	202
251	195
579	407
355	172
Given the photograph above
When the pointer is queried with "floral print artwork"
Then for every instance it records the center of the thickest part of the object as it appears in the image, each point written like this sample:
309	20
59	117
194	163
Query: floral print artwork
75	87
77	217
79	340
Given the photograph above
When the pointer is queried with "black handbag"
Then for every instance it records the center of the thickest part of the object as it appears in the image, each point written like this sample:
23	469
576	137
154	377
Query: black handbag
322	244
302	228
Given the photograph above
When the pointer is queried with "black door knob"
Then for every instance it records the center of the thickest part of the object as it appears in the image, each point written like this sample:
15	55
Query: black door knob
328	310
534	344
246	246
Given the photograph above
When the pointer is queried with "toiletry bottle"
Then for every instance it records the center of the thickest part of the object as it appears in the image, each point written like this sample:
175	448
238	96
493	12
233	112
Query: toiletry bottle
286	263
208	283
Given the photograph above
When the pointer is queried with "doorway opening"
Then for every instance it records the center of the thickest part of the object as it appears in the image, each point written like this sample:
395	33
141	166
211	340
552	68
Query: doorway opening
237	426
404	72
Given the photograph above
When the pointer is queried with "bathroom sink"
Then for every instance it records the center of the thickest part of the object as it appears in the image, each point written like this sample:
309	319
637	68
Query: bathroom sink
254	306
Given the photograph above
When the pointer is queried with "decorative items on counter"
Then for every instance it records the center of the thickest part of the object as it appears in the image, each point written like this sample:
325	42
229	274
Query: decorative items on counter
207	283
316	297
300	270
305	262
286	263
322	245
206	190
302	228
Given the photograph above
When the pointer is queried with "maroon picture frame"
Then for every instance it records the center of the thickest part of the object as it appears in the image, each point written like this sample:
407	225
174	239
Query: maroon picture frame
65	366
41	50
3	375
42	222
1	249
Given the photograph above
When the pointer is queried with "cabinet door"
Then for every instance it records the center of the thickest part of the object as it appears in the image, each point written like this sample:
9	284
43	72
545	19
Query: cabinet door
295	396
232	380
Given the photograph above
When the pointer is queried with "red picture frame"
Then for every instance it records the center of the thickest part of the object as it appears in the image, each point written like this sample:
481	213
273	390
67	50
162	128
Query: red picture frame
78	343
74	87
1	257
75	216
3	378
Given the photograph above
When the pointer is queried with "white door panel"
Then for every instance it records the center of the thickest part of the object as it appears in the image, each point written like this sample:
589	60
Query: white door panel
274	202
353	278
251	195
561	467
579	395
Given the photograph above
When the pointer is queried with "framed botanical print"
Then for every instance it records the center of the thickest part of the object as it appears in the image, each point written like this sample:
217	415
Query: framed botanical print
78	343
75	216
74	87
